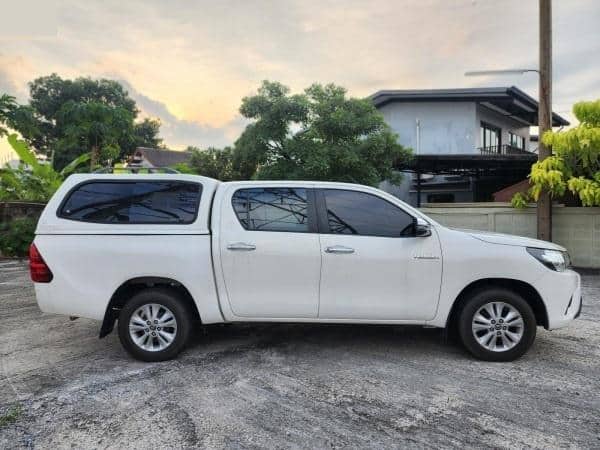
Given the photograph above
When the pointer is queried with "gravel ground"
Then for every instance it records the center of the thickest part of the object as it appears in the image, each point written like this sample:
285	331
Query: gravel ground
301	386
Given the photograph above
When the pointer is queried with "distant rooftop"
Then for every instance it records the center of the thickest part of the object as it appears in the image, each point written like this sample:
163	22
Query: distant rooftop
508	101
161	157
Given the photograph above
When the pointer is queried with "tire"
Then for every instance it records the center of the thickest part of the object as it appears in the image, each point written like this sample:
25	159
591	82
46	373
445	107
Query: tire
510	316
156	305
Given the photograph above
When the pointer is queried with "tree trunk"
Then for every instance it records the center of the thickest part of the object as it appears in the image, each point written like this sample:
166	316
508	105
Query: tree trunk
94	157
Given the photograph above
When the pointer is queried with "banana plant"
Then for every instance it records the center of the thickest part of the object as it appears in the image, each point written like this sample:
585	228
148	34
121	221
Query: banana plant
32	180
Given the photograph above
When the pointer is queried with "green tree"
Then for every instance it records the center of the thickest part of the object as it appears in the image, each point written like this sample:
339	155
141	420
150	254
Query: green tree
320	134
45	122
95	127
145	134
575	163
213	162
7	106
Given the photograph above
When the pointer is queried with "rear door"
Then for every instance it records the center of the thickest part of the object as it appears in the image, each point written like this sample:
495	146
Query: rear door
269	251
373	267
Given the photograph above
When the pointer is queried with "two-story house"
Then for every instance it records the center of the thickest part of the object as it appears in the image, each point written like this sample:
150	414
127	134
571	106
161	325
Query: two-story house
468	143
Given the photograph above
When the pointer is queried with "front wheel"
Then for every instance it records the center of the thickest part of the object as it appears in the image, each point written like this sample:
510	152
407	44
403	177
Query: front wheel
154	325
497	325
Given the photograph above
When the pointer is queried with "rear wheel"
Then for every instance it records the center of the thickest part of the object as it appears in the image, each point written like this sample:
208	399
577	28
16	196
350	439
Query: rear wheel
154	325
497	325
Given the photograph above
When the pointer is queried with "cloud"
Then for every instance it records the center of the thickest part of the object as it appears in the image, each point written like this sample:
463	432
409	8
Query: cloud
192	62
6	84
14	71
179	133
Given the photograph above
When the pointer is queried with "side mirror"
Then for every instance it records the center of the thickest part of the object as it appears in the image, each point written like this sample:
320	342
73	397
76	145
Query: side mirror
422	228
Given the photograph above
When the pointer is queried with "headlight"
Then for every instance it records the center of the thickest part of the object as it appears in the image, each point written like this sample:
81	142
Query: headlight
552	259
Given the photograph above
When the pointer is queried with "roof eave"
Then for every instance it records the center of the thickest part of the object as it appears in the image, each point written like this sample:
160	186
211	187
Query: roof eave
383	97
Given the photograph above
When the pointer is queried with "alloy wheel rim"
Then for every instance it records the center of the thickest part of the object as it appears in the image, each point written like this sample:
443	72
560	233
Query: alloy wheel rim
153	327
498	326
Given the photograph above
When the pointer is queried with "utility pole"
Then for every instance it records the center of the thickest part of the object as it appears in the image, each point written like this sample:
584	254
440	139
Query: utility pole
544	204
418	122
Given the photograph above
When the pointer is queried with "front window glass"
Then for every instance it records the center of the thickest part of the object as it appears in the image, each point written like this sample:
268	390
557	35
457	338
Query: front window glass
353	212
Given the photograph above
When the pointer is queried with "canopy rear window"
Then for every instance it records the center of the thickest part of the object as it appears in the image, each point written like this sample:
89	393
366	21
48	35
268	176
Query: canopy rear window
133	202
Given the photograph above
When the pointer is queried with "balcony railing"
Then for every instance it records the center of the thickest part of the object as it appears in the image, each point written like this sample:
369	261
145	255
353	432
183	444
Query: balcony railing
505	149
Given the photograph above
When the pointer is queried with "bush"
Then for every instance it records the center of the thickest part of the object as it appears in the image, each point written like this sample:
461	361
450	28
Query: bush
16	236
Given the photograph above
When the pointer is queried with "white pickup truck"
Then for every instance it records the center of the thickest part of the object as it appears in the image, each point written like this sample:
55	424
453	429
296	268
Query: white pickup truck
159	253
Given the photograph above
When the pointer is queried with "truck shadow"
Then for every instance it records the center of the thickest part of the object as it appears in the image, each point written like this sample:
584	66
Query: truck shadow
319	338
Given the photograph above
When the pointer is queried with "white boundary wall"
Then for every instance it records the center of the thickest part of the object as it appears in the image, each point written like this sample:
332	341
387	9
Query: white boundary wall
577	229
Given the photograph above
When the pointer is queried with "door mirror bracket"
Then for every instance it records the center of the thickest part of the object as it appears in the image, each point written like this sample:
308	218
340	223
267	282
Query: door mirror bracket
422	228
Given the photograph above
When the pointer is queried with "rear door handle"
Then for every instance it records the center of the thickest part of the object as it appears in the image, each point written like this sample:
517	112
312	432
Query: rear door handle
241	246
339	249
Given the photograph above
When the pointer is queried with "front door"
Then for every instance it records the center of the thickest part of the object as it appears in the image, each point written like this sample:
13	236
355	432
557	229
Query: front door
373	267
270	252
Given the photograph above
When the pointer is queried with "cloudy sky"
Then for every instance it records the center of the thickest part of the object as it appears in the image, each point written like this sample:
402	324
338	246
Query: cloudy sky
189	63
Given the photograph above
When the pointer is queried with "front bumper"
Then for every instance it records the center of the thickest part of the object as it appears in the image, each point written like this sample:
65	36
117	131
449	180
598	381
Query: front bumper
561	293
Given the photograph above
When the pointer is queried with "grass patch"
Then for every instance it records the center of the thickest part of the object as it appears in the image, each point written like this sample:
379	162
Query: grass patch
10	416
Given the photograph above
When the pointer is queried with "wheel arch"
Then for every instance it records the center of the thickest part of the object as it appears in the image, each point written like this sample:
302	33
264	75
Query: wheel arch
135	285
525	290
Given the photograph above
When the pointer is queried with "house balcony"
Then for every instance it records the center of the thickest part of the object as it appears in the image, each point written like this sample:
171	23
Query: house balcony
506	149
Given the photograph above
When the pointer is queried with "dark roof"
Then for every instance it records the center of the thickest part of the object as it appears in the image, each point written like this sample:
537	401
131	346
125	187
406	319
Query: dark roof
160	157
509	101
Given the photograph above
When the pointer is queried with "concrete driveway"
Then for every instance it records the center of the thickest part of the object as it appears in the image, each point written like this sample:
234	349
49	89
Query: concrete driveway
300	386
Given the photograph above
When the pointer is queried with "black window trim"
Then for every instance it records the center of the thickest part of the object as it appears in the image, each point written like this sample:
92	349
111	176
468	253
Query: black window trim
60	214
487	125
323	222
311	209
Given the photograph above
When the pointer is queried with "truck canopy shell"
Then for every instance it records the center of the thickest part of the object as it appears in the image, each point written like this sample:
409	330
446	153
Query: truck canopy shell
51	223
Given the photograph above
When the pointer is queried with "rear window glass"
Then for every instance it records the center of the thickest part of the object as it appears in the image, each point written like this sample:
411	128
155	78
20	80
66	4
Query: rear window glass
133	202
272	209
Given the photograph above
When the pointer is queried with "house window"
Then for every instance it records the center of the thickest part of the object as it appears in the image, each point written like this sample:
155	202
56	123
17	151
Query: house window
490	136
517	141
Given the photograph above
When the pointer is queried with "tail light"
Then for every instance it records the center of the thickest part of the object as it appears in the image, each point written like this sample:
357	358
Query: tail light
39	270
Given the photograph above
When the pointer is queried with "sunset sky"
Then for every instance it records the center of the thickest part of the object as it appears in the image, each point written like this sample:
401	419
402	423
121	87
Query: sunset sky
189	63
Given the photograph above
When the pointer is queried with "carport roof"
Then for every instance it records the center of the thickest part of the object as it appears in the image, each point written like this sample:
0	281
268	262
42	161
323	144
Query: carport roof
473	165
508	101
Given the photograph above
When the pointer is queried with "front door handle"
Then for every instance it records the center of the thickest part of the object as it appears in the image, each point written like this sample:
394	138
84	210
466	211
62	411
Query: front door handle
339	249
241	246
